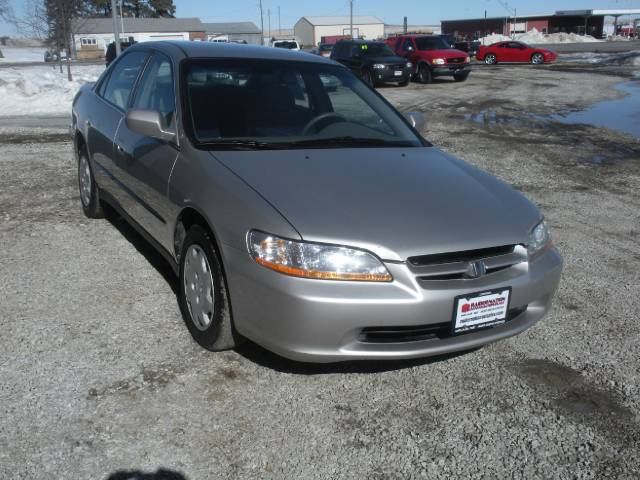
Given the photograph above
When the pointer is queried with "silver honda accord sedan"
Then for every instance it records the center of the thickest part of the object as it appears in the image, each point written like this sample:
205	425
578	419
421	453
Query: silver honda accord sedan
302	211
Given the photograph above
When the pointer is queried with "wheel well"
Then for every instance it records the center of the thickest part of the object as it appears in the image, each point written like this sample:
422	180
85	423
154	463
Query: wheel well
187	219
80	143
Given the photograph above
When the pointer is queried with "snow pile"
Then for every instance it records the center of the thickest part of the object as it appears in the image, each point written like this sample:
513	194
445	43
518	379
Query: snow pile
18	54
618	38
42	90
535	37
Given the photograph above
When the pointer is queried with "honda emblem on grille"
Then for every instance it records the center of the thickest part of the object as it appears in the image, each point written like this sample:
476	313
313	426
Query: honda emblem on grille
476	269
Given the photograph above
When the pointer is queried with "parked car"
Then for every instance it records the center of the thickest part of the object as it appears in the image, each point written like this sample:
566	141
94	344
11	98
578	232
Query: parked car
374	62
431	57
287	44
54	56
111	53
318	224
514	52
324	50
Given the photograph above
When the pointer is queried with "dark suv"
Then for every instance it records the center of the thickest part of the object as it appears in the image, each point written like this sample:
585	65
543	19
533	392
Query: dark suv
374	62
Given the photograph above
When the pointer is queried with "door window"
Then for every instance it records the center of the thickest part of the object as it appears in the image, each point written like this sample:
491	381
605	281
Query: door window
156	89
407	45
123	78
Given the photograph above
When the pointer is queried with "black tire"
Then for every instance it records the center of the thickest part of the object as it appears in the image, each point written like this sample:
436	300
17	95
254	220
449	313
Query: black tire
461	77
490	59
367	77
424	74
90	202
220	333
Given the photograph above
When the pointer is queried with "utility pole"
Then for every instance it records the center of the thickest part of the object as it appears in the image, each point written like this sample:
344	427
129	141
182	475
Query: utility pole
116	35
351	17
279	22
261	24
269	18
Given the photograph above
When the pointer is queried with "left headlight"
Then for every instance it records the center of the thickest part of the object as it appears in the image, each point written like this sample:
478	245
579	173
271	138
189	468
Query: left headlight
438	61
379	66
539	238
315	260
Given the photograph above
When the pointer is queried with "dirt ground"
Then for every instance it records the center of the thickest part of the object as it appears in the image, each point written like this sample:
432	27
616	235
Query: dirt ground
99	375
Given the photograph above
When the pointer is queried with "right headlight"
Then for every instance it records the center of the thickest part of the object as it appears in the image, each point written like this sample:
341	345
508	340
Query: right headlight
438	61
315	260
539	238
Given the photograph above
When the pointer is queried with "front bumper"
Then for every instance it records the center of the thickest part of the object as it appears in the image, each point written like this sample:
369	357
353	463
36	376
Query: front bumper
321	321
388	75
450	70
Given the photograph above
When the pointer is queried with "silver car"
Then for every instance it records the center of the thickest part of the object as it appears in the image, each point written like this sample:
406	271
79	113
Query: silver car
301	211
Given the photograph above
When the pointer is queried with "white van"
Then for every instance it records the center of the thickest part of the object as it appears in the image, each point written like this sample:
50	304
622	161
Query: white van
289	44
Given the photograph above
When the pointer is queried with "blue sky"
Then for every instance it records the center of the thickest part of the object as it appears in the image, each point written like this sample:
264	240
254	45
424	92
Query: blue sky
391	11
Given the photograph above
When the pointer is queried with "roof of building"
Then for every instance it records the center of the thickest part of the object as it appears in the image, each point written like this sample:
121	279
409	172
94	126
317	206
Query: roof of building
138	25
231	28
357	20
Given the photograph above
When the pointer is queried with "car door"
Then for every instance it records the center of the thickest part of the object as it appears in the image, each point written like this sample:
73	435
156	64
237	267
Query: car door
503	53
145	163
408	50
106	116
515	51
521	53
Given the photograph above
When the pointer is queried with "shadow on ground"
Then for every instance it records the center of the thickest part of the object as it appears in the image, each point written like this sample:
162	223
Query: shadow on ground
161	474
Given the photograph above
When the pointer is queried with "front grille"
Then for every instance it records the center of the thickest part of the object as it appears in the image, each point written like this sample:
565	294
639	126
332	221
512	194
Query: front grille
397	67
456	60
418	333
455	265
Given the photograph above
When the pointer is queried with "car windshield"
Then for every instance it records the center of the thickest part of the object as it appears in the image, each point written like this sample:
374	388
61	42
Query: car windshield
325	48
253	104
376	50
432	43
286	44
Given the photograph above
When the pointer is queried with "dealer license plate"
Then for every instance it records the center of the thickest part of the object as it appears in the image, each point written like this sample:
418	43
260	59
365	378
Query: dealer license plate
397	73
480	310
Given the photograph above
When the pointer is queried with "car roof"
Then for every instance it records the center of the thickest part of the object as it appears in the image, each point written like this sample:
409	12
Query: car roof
227	50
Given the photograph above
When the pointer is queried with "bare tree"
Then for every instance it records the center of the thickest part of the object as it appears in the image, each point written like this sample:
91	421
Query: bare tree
6	13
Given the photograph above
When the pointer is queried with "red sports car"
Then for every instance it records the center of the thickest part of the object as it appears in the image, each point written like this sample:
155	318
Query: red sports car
514	52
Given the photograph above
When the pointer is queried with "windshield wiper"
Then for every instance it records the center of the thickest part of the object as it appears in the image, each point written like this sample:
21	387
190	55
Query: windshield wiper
238	145
350	142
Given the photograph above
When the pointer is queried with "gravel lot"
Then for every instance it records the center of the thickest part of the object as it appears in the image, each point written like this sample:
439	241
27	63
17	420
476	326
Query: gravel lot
99	374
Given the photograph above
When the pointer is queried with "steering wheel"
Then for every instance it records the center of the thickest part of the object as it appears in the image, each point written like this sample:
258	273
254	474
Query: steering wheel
332	116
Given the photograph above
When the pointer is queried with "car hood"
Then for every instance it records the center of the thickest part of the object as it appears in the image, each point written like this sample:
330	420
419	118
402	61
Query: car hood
444	53
384	59
396	202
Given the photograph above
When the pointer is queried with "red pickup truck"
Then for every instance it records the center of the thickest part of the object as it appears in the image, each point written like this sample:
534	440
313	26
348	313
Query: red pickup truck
432	56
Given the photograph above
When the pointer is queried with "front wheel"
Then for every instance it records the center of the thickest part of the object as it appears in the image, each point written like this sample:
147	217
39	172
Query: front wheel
490	59
367	77
537	59
424	74
89	194
203	298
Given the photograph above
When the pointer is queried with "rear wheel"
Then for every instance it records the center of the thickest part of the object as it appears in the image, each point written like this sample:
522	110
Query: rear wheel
89	194
461	77
490	59
424	74
537	59
203	298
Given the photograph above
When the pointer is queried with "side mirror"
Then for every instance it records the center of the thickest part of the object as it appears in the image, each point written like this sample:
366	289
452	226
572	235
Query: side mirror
417	120
149	123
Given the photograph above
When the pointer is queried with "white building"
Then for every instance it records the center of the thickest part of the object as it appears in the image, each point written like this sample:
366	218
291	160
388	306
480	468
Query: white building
310	30
92	35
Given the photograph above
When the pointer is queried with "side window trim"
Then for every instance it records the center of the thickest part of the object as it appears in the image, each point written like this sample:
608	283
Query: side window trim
135	83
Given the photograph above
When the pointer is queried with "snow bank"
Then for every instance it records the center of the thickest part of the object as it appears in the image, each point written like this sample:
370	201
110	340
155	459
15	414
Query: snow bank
21	54
535	37
42	90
